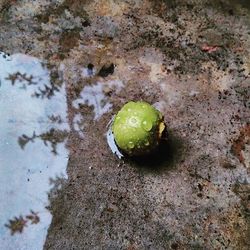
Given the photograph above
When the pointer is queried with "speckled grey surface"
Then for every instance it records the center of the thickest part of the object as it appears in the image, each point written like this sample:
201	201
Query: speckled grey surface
191	59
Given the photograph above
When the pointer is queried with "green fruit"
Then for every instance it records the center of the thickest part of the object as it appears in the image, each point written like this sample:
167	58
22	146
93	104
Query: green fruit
137	128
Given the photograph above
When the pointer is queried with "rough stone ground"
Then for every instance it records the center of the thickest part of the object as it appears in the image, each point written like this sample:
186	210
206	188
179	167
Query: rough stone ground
191	59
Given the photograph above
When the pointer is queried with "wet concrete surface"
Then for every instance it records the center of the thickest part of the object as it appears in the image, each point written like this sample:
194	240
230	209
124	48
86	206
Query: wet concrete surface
72	65
33	153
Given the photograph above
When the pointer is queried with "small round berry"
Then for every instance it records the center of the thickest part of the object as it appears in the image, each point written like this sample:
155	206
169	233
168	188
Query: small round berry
137	128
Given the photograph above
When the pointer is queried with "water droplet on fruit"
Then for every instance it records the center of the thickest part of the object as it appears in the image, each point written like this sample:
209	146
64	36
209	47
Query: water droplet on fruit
131	145
147	125
133	122
146	143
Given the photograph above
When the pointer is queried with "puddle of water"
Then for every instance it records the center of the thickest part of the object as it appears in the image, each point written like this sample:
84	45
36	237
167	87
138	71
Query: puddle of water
78	125
33	131
88	71
94	96
111	141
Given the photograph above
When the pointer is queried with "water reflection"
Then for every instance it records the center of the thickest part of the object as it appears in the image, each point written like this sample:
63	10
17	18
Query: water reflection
111	141
78	125
17	224
23	71
33	132
96	96
52	137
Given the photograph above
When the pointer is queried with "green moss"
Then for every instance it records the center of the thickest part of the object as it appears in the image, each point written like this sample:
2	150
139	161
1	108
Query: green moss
137	128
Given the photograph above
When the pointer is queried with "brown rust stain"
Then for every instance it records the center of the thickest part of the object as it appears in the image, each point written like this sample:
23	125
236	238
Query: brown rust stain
240	142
